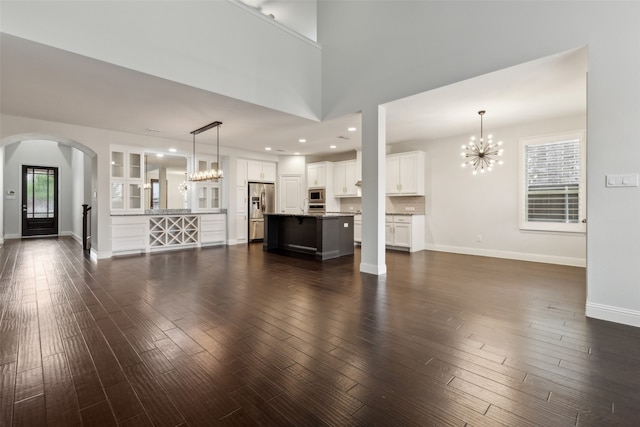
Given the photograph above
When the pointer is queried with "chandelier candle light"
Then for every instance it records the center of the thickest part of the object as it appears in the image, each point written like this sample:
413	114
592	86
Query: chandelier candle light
209	174
480	154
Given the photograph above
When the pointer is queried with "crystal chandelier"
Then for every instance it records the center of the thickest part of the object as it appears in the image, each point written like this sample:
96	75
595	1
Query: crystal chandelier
209	174
481	154
184	186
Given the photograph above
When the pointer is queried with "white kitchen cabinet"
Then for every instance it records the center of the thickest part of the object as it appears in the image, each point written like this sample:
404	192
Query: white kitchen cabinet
126	164
213	229
405	174
357	228
261	171
126	180
129	234
317	174
241	173
405	232
345	176
242	227
241	214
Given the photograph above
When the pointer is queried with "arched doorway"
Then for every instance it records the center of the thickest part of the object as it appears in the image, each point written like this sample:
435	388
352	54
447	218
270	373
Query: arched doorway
26	156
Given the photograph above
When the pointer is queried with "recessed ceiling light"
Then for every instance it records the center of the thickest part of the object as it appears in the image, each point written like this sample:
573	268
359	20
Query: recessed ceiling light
332	146
172	150
302	140
159	155
352	129
267	148
296	153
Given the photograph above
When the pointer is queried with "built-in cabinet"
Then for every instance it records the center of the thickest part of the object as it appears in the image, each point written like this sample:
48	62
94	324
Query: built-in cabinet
320	175
249	171
405	174
213	229
127	180
404	232
148	233
242	225
357	228
345	176
129	234
261	171
207	193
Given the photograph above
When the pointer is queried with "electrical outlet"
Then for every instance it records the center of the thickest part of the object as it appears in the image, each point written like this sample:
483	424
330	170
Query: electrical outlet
479	238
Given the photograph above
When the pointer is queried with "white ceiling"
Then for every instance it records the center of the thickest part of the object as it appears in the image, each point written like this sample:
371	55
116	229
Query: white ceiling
51	84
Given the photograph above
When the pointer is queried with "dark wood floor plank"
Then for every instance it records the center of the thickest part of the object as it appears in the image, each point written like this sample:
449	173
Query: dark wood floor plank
7	391
236	336
157	405
99	415
30	412
61	402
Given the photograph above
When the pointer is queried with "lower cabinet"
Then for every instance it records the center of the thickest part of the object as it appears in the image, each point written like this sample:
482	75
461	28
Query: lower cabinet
129	234
357	228
404	232
145	233
213	229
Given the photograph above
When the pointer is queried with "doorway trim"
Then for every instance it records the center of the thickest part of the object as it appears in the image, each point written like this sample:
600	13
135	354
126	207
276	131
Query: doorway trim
49	226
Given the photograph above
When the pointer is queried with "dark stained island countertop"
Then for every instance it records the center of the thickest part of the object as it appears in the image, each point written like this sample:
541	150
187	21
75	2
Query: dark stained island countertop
324	236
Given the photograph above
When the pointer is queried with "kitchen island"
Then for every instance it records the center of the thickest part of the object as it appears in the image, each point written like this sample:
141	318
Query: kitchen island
323	236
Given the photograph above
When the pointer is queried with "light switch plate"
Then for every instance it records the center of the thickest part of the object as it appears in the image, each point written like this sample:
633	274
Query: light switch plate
622	180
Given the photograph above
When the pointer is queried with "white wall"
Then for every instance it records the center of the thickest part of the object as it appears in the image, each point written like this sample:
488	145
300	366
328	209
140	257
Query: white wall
38	153
292	165
2	196
211	45
460	206
376	52
78	192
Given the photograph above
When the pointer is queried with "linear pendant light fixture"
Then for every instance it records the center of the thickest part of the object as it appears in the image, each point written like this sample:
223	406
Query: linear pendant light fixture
481	154
209	174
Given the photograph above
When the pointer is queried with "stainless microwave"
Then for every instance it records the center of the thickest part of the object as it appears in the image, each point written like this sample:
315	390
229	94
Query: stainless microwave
316	195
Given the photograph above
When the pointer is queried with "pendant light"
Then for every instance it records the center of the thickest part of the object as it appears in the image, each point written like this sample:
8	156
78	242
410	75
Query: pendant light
209	174
482	154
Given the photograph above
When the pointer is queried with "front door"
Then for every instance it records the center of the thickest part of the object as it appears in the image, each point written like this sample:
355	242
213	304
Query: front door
39	201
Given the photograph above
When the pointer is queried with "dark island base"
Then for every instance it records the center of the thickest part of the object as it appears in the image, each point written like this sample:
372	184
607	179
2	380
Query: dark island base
320	236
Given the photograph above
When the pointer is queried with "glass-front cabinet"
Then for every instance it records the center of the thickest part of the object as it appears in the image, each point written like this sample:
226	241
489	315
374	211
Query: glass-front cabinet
126	180
207	192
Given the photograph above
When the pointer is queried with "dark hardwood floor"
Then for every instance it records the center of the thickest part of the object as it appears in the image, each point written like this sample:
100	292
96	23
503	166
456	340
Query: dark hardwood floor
236	336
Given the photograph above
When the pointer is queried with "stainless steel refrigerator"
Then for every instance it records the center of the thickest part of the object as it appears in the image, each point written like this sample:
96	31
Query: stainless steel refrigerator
262	199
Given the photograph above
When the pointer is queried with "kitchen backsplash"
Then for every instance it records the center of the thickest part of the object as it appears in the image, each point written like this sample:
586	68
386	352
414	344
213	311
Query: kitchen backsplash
406	204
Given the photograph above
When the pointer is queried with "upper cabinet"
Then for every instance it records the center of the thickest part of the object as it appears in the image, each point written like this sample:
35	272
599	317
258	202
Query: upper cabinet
126	180
261	171
207	192
345	176
126	164
318	173
405	174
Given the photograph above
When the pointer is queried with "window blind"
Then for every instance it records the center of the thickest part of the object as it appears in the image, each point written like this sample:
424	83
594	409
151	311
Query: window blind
553	181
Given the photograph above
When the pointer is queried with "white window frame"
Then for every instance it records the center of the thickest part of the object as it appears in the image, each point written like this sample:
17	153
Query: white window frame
578	227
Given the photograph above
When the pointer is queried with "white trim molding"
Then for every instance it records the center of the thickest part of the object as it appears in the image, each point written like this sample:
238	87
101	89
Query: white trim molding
613	314
378	270
520	256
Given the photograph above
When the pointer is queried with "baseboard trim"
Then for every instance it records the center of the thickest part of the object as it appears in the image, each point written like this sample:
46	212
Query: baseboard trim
375	269
613	314
520	256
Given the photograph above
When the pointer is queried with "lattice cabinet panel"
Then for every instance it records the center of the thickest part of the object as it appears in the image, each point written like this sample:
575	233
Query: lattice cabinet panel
173	230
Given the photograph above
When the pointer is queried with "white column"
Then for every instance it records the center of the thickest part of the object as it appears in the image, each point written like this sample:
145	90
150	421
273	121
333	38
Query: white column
2	190
373	190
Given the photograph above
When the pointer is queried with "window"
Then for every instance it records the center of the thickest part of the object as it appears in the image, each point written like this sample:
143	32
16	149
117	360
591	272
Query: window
553	182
